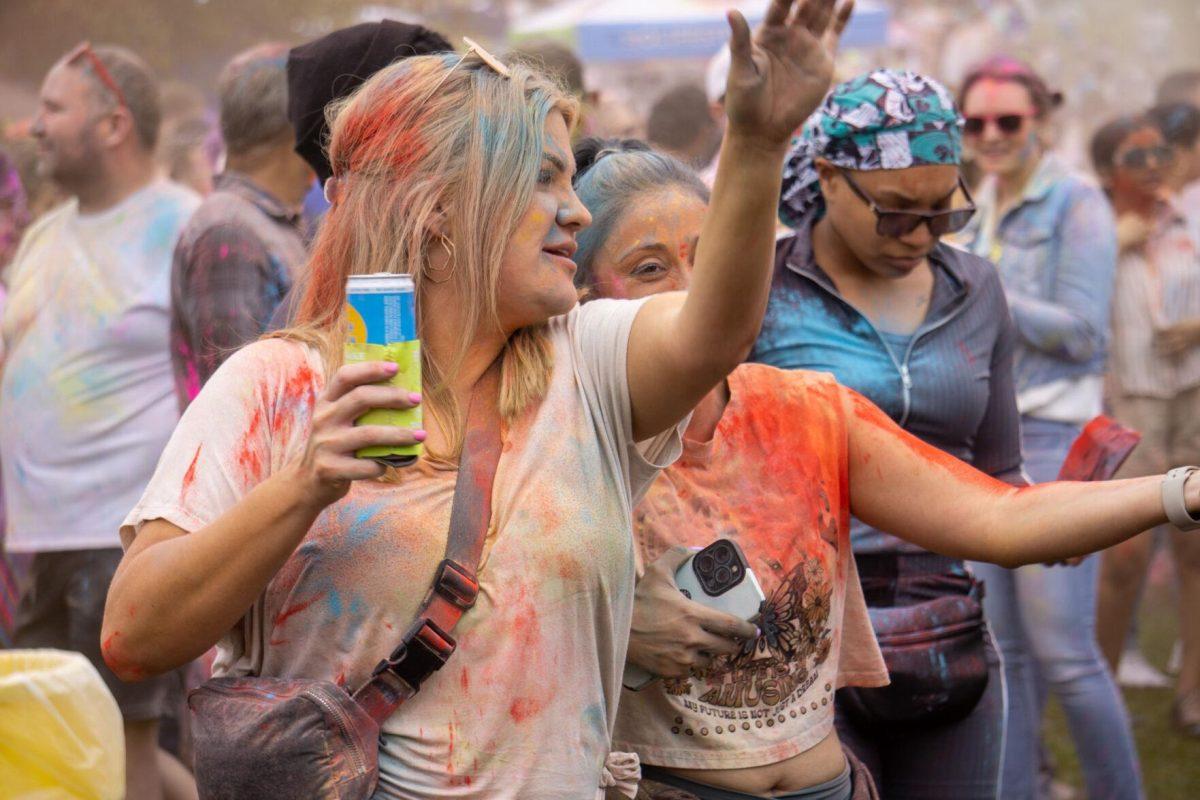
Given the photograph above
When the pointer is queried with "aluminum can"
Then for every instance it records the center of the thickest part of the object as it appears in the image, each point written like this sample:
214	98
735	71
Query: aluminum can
381	325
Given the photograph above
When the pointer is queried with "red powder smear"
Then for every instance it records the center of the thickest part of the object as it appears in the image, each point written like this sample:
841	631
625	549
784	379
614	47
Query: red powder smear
962	347
340	680
299	384
189	477
387	132
118	663
1098	453
569	569
867	412
284	615
465	681
248	455
787	421
526	624
523	708
298	390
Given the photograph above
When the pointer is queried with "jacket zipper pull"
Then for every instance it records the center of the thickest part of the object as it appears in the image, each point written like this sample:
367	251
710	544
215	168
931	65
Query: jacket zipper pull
905	377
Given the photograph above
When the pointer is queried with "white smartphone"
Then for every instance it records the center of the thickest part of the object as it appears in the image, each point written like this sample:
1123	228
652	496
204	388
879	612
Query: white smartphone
718	577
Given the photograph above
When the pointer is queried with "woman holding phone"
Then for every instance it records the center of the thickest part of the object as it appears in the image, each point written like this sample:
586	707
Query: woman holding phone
263	534
778	461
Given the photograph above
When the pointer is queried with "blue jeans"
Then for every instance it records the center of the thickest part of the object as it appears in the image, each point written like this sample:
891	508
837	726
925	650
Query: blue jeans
1044	621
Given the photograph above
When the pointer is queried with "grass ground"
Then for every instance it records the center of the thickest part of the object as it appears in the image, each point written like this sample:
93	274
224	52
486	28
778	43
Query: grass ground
1170	763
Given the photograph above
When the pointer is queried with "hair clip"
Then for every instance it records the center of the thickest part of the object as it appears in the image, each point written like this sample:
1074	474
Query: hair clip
486	57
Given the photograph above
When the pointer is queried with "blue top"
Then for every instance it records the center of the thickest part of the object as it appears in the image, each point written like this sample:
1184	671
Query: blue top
949	384
1056	252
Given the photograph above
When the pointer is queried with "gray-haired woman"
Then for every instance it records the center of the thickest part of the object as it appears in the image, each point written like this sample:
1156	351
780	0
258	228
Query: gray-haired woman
777	461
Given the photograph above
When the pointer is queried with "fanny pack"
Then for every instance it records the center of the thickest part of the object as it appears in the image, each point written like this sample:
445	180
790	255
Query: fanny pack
258	738
935	651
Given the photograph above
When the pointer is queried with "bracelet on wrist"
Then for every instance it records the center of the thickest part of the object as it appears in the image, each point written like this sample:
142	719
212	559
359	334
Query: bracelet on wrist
1175	501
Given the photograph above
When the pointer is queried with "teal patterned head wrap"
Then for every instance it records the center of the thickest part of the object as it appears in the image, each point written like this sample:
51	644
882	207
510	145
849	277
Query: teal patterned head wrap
886	119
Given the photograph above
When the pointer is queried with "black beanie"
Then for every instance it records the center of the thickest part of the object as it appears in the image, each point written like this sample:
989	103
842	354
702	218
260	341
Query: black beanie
335	65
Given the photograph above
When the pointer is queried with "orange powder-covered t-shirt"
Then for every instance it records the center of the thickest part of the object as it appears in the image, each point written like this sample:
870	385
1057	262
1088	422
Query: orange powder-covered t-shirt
774	478
525	707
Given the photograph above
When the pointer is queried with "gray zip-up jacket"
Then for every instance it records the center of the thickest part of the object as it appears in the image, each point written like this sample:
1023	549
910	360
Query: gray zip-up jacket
950	384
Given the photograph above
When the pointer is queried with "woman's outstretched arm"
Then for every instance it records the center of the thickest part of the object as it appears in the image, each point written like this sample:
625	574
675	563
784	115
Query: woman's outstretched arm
682	345
908	488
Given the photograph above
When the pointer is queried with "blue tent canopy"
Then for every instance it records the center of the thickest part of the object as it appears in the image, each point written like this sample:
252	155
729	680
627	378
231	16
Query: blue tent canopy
636	30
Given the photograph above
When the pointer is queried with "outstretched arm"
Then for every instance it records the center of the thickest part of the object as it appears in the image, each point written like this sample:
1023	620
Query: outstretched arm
683	345
913	490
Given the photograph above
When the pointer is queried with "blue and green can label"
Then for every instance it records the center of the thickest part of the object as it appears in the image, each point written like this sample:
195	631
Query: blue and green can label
381	325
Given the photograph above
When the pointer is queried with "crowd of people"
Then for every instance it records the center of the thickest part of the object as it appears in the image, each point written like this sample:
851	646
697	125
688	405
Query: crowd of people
861	327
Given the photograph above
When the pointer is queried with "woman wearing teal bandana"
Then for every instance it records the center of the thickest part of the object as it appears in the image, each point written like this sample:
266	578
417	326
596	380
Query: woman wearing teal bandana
864	289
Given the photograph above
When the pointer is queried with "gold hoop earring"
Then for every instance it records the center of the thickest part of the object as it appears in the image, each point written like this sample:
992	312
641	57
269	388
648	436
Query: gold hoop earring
448	246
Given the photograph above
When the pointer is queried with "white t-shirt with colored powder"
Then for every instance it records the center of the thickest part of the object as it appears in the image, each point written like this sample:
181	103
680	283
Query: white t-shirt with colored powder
87	398
526	706
774	478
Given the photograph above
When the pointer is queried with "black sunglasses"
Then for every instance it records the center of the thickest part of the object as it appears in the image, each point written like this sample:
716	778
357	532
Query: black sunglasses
1140	157
895	223
1007	123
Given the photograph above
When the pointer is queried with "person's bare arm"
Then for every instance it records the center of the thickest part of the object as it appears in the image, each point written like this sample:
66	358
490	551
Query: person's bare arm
176	593
682	345
915	491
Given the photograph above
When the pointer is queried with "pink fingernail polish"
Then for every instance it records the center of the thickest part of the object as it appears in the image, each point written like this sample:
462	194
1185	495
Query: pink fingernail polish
392	367
414	398
419	435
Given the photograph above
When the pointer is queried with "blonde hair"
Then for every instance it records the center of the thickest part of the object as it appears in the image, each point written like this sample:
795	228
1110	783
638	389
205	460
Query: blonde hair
434	139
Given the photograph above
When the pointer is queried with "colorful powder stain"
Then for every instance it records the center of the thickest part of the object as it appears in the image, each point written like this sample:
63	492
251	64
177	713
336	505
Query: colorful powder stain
249	455
284	615
867	412
523	708
189	477
116	661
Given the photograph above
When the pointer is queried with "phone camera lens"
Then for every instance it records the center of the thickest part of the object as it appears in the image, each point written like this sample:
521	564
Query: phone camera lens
723	556
706	564
724	576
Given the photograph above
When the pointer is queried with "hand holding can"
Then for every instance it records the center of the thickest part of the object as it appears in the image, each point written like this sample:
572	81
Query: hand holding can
330	462
382	326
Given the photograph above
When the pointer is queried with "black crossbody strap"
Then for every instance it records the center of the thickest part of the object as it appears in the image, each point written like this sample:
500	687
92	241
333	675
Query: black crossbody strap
427	644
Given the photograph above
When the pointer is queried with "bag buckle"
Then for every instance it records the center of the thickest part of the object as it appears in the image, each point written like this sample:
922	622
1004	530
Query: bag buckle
422	653
456	584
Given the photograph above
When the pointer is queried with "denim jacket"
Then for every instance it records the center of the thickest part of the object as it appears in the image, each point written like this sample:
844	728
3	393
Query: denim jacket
1056	252
949	385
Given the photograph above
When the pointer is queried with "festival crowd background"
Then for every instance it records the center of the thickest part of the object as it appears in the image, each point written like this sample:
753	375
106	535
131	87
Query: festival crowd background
1106	59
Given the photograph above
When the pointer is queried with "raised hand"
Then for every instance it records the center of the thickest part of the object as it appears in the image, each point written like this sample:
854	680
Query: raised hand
778	76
